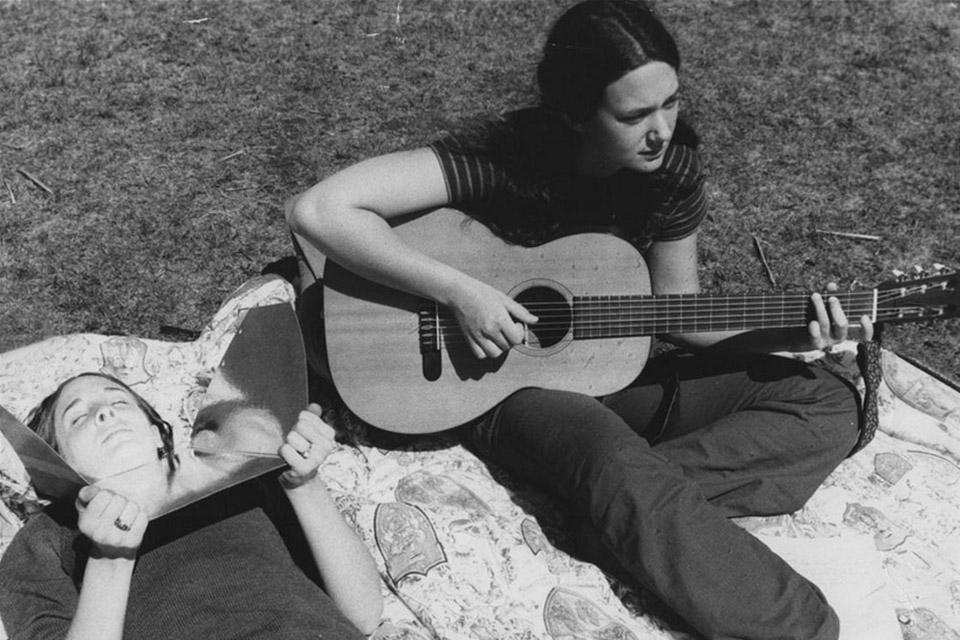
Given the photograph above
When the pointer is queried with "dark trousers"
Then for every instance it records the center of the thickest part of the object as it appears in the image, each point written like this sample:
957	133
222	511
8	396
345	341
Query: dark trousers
752	437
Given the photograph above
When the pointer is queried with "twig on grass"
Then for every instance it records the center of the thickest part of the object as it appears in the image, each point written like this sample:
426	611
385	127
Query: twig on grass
233	155
13	198
844	234
35	180
763	260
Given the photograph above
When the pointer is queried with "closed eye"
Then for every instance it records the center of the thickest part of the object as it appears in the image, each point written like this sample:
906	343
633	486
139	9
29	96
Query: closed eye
635	117
76	419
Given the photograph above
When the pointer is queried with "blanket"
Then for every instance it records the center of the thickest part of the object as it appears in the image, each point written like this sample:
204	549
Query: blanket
467	552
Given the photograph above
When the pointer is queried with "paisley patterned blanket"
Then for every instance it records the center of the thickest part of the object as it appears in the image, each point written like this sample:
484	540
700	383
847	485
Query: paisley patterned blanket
467	553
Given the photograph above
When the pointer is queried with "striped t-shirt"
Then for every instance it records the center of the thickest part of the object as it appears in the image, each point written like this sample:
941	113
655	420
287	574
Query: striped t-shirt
523	185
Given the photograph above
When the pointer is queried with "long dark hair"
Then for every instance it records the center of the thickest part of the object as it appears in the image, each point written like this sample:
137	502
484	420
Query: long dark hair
41	418
595	43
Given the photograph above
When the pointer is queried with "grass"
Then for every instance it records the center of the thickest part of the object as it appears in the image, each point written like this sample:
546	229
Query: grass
171	132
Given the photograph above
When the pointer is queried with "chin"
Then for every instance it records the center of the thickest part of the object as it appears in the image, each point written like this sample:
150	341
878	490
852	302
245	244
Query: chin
132	458
647	166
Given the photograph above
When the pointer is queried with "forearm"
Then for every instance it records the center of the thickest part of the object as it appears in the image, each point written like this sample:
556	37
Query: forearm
348	217
364	243
745	342
102	605
792	339
348	570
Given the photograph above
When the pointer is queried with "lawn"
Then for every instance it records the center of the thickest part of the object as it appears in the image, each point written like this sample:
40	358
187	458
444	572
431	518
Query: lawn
146	148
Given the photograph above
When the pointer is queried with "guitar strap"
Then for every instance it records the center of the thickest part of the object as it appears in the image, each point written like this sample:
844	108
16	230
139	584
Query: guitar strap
868	361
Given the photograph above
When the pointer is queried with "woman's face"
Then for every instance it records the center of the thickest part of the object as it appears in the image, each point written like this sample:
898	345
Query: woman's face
100	428
634	123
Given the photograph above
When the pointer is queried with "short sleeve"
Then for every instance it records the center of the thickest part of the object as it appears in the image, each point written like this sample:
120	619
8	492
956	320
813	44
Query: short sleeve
688	197
469	177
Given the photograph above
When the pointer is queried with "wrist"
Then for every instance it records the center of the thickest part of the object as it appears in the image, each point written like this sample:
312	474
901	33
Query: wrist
111	566
310	494
453	287
295	484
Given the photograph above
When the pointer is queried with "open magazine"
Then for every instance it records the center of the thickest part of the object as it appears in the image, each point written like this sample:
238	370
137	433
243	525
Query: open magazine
253	400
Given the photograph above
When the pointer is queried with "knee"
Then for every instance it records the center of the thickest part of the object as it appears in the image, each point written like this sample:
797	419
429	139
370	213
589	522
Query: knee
581	441
836	413
550	425
827	408
570	419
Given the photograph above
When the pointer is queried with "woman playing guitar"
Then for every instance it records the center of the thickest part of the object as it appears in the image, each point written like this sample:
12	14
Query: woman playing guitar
651	473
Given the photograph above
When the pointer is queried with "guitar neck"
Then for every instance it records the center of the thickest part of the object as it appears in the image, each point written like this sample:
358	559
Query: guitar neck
645	315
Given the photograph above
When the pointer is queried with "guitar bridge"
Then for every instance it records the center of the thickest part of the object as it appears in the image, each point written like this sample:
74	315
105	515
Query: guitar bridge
430	338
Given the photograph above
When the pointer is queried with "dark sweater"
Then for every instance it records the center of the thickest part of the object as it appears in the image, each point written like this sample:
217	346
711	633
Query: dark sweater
219	568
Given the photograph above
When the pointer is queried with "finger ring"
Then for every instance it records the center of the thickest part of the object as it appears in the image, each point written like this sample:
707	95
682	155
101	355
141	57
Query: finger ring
307	452
120	524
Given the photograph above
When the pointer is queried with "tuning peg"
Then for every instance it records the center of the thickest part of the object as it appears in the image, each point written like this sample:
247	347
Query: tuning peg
899	276
919	271
941	269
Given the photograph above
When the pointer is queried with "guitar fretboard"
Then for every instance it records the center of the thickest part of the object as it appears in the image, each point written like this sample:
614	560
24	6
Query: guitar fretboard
644	315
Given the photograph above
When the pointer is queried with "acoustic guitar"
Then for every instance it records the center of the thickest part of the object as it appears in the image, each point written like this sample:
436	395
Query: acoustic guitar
401	363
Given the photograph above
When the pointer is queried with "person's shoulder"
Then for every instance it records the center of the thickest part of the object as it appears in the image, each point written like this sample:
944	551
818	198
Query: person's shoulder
539	126
49	531
682	167
56	518
682	160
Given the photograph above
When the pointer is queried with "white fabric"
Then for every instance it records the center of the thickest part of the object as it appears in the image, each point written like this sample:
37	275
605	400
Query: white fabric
467	553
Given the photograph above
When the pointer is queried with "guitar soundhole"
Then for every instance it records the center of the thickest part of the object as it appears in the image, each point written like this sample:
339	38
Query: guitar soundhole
553	310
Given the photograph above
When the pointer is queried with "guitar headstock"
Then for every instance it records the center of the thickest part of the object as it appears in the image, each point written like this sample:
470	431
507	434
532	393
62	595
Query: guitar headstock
923	295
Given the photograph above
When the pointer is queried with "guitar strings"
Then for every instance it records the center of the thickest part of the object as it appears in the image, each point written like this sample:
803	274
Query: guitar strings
601	320
701	299
453	335
792	311
630	306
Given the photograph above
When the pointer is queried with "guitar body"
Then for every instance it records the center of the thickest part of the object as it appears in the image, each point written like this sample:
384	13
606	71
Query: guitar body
375	335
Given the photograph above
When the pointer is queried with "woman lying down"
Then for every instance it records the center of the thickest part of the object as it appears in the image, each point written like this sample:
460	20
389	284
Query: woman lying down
269	558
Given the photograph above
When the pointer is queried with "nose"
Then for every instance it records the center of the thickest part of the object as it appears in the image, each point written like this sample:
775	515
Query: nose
104	414
654	140
659	134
